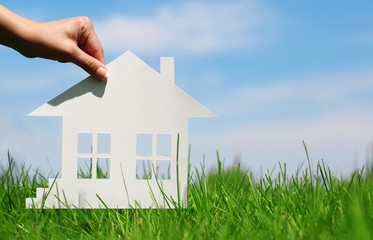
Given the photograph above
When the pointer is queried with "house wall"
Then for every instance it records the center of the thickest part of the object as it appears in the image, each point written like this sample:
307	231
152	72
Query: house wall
123	180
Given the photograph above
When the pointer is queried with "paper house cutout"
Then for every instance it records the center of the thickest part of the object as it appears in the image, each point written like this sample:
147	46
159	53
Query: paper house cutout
136	106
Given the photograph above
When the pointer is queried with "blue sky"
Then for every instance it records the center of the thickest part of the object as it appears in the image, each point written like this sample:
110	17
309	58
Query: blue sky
275	73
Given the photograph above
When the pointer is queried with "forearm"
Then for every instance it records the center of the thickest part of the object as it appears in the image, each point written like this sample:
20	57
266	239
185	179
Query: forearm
13	28
31	39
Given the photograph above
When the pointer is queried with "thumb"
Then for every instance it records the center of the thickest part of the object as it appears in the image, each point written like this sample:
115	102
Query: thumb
90	64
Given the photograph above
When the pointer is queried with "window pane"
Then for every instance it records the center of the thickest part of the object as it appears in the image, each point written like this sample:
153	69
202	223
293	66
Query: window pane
144	144
103	168
163	169
84	168
103	143
143	169
84	142
164	144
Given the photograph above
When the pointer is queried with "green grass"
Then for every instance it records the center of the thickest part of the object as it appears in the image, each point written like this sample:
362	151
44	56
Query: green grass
228	203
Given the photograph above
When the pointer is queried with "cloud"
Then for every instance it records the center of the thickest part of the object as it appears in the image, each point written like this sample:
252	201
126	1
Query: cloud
27	84
317	92
266	123
35	146
44	76
190	28
332	138
361	39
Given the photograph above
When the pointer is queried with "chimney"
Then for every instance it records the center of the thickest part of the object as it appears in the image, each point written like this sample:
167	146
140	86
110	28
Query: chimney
168	69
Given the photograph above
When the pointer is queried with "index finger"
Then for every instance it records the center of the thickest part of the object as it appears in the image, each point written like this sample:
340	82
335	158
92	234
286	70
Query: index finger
91	44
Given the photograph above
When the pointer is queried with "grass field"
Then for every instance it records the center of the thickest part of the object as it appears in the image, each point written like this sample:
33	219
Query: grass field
229	203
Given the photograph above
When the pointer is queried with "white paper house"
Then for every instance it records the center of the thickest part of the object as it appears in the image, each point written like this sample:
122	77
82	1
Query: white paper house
125	120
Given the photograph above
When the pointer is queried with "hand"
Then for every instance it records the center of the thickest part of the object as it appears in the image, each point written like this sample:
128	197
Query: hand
67	40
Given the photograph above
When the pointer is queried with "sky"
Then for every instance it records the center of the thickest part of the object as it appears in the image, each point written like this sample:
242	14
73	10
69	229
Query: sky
275	72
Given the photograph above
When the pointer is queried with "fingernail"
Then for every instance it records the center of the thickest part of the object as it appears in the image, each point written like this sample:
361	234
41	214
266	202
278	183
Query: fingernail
102	73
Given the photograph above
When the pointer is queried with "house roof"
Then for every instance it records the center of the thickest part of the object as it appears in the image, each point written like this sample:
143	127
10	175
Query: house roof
132	85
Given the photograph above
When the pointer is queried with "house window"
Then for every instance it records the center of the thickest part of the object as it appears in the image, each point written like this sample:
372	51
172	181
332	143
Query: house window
94	155
153	151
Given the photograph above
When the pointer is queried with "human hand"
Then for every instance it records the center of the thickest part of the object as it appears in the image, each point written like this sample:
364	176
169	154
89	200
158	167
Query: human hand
67	40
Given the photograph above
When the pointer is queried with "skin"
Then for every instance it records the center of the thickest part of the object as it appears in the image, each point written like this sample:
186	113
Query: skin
67	40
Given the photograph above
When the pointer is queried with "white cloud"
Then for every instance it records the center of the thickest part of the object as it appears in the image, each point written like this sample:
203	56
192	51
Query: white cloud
51	76
35	146
320	91
361	39
331	112
28	84
193	28
333	138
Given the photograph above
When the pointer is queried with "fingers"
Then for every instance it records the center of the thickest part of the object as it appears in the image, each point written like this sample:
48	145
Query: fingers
88	53
90	64
88	40
93	47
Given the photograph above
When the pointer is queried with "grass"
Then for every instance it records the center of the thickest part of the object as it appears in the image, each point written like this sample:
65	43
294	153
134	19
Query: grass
228	203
